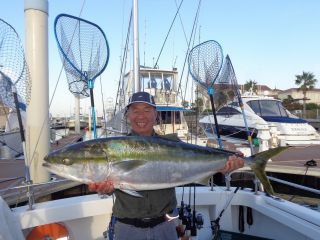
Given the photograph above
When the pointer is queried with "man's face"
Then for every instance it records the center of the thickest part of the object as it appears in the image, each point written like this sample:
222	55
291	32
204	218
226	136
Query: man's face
142	118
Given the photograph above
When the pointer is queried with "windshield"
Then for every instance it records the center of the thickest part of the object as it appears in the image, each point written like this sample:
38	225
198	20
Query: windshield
268	108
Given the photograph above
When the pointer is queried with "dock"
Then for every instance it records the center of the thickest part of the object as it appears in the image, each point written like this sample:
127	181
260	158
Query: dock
297	160
67	140
12	176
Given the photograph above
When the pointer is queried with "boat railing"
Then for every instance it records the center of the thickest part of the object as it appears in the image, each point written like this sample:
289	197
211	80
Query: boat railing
301	187
228	180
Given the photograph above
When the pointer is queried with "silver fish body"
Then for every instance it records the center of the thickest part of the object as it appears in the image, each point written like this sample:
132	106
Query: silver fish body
144	163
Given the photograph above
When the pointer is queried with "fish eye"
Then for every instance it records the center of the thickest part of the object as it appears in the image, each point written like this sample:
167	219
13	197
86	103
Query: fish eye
66	161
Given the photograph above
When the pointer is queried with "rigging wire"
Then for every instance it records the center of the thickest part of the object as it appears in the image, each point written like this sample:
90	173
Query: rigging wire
184	32
156	64
123	66
196	18
103	108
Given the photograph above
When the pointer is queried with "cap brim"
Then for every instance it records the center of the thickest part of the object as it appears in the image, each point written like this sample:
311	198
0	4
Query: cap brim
153	105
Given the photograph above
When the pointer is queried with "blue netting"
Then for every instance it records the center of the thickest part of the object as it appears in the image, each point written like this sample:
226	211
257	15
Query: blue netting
205	61
83	49
13	68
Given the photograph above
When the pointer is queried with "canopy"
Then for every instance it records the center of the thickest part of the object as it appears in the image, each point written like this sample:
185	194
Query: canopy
171	108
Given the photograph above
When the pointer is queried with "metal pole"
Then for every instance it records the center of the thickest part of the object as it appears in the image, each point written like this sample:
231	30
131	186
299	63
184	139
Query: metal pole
136	61
37	127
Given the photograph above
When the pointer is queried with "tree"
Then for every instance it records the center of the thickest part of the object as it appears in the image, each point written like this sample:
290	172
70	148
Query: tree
185	104
291	104
307	82
197	105
251	85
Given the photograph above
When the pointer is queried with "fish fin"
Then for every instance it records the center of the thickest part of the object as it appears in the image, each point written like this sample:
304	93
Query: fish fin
258	163
205	181
128	165
131	192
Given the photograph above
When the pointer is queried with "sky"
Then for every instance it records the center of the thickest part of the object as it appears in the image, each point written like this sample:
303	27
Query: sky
268	41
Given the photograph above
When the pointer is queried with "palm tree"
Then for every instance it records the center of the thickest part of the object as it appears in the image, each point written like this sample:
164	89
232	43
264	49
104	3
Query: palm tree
306	82
251	85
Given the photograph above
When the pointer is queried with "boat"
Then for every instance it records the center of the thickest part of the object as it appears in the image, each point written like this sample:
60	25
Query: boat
84	122
211	211
162	85
58	123
10	139
241	214
267	119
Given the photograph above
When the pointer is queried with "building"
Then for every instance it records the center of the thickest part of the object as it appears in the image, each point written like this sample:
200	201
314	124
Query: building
313	95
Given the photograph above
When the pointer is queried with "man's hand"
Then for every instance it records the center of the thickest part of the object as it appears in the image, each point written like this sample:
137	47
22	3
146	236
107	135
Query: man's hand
234	162
105	187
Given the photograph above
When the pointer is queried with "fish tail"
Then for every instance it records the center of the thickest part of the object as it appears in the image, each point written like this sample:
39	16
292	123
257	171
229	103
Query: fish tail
258	164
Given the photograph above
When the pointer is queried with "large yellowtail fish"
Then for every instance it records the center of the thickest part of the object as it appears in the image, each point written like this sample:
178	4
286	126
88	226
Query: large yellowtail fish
135	163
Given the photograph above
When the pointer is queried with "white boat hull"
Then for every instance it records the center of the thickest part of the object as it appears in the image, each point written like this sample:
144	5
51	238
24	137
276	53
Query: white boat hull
12	141
87	217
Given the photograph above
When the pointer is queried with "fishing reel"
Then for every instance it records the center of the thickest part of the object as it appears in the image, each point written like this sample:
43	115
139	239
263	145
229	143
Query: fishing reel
191	220
199	221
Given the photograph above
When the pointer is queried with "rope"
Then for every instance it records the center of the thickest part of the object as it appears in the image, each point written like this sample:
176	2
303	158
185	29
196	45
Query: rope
122	67
187	53
103	108
156	64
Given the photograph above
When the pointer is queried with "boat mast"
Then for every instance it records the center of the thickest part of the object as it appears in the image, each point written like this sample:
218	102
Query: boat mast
37	128
136	63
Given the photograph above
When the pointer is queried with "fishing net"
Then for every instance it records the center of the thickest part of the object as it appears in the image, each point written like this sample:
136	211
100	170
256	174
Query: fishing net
227	91
14	73
15	81
205	61
226	88
84	51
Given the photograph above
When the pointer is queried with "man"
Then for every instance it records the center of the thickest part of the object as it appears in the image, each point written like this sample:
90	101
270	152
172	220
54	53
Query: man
144	217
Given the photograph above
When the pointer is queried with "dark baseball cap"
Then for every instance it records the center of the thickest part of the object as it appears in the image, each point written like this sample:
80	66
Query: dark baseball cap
141	97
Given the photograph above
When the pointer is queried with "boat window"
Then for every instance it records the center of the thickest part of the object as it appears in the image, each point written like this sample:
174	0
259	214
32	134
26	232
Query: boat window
255	107
228	111
166	117
236	104
283	111
167	82
150	80
159	81
268	108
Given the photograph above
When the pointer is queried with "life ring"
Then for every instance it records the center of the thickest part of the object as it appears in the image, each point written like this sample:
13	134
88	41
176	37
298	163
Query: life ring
48	231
